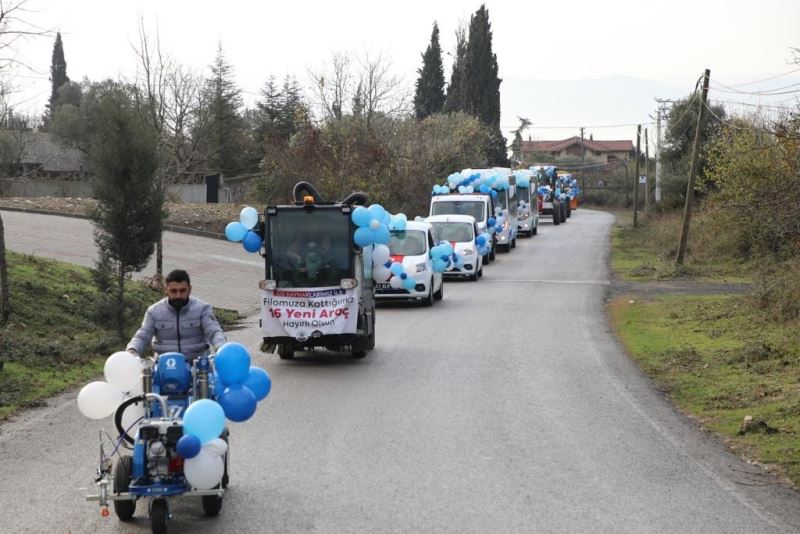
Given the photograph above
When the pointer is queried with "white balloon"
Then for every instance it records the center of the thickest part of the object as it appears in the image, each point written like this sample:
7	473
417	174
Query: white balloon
204	471
380	254
381	274
396	282
248	217
216	446
132	417
97	400
123	370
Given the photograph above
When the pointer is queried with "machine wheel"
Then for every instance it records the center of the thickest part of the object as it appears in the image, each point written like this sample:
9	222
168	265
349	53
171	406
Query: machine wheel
535	230
492	253
158	516
563	212
514	243
439	295
569	209
556	213
361	347
122	479
480	272
212	504
428	300
286	351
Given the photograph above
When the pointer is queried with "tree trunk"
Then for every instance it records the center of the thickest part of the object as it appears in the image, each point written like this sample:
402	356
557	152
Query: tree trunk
5	298
121	302
160	262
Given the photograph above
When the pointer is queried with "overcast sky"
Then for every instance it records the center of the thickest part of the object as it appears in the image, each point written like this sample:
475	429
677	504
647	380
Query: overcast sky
592	63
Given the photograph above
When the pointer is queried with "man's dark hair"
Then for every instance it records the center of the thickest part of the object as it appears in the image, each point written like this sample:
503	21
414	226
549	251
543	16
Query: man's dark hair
178	275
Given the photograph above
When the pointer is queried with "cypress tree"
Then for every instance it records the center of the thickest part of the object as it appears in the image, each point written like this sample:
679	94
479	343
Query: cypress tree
58	75
429	97
455	91
226	124
481	84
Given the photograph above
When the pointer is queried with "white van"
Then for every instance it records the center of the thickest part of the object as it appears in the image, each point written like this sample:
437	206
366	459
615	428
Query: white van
507	233
478	205
461	231
527	203
411	248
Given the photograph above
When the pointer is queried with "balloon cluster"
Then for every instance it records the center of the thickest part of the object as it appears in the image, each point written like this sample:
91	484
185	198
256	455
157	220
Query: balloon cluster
444	258
242	230
401	277
440	190
238	387
523	178
99	399
484	244
373	225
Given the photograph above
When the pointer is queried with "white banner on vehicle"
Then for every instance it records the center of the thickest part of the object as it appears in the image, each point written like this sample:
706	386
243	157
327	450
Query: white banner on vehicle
300	312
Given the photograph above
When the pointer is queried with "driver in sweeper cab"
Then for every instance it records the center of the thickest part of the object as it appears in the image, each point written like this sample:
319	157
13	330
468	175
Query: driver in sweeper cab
178	323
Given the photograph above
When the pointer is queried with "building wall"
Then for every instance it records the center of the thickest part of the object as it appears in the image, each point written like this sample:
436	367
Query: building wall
185	193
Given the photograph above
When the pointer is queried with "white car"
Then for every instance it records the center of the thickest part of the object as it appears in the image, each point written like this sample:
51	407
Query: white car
411	248
461	232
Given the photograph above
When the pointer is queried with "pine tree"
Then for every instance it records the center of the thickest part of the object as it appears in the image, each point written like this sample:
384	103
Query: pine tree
455	91
482	86
226	137
429	97
58	76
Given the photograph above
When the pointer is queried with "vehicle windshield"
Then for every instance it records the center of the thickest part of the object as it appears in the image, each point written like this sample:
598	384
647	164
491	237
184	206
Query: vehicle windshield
523	193
452	231
475	208
502	199
407	243
309	248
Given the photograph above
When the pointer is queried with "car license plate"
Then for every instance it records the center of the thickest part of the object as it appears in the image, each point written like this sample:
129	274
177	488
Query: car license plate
382	285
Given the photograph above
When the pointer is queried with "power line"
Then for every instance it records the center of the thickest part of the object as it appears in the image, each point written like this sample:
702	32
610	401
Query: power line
767	79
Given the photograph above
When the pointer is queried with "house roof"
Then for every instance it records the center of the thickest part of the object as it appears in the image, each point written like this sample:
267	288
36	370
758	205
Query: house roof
42	148
590	144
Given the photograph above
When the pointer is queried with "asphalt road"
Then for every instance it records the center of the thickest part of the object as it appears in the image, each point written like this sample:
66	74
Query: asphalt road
507	407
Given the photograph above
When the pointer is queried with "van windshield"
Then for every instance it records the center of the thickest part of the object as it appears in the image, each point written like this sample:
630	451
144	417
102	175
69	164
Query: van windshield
407	243
452	231
475	208
502	199
309	248
523	193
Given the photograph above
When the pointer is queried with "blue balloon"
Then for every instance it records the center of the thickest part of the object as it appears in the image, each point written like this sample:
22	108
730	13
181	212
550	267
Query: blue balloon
494	193
361	216
235	231
439	265
377	212
403	276
204	419
188	446
491	222
397	268
252	241
409	283
259	382
381	236
238	402
363	237
481	240
232	363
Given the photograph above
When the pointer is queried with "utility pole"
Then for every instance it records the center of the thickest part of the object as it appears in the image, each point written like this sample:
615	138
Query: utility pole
687	209
646	173
659	113
583	170
636	178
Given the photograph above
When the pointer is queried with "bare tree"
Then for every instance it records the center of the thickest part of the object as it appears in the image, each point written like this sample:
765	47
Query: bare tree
171	96
382	91
14	28
333	86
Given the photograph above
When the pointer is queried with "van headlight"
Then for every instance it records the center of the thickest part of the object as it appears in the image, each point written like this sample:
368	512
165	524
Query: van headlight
467	252
421	267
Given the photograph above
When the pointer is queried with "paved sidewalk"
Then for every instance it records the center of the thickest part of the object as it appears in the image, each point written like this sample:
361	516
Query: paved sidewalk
223	273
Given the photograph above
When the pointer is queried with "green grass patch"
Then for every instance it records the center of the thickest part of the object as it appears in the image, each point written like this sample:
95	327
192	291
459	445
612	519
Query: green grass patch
57	335
648	251
721	359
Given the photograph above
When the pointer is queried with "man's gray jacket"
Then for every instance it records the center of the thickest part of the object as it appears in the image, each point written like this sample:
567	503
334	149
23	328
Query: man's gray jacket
189	330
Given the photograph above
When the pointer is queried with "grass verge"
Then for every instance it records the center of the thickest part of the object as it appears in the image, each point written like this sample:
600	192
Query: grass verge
57	335
722	358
